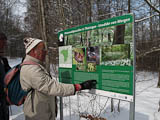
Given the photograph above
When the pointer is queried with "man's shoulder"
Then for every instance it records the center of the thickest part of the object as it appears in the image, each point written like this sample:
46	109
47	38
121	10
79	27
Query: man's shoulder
30	67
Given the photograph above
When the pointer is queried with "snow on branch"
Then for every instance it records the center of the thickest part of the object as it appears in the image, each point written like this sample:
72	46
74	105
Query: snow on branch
146	18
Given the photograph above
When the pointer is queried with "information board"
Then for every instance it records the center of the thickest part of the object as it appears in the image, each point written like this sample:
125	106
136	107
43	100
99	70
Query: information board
103	51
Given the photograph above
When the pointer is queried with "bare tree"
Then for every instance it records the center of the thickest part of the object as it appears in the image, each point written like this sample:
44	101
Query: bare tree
44	30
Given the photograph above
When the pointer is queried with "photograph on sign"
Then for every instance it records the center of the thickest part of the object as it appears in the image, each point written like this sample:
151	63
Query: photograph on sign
93	58
116	55
79	58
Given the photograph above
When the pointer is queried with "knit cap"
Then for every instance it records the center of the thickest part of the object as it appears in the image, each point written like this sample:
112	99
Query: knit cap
30	43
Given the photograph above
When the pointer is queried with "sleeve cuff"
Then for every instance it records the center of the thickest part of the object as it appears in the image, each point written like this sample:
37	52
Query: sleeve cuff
77	87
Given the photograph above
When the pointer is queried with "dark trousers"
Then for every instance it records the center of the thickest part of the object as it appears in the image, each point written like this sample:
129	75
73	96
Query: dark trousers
4	109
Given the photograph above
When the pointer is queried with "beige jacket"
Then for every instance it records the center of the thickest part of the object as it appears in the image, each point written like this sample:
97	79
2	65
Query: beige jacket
40	102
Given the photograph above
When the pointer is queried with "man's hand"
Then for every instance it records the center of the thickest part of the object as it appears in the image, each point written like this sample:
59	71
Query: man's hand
89	84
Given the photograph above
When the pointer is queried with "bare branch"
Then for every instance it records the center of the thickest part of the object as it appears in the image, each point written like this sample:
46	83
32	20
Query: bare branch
146	18
154	49
150	4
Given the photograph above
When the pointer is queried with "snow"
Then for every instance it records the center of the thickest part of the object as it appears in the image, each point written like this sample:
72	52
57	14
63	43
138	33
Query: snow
146	104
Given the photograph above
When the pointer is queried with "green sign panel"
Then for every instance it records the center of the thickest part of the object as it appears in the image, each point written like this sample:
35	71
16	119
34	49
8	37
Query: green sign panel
103	51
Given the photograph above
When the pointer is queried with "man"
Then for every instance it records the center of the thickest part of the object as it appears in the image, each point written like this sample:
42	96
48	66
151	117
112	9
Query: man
4	67
40	102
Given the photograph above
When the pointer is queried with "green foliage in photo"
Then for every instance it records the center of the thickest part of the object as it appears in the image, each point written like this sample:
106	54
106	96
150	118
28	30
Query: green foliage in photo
73	39
128	33
115	52
102	36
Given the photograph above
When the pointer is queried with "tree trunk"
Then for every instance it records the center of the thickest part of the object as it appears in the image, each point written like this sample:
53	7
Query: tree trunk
151	30
159	75
88	10
129	6
61	13
119	34
43	29
159	18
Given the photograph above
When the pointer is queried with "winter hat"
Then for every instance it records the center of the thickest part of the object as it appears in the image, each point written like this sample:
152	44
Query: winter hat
30	43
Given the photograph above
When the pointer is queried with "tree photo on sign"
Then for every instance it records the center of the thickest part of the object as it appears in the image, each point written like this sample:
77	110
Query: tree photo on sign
128	33
116	55
77	39
119	52
106	36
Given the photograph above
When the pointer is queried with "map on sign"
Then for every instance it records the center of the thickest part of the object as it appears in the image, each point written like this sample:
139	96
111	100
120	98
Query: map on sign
65	56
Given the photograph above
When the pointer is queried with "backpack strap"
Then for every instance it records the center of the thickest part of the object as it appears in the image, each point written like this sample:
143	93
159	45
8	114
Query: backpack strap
29	63
13	72
9	76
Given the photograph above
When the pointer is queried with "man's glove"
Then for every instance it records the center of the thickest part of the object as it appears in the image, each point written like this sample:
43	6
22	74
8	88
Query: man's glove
89	84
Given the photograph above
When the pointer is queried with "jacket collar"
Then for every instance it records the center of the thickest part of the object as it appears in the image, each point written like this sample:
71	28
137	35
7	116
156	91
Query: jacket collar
30	58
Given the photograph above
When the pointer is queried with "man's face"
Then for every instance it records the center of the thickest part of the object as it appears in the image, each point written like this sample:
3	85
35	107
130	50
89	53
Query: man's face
41	52
2	46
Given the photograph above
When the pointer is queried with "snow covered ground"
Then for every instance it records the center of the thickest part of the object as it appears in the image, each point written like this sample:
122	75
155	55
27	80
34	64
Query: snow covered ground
146	107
